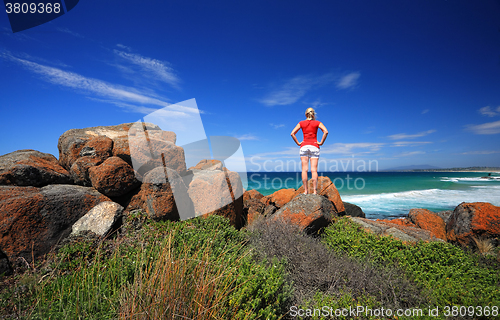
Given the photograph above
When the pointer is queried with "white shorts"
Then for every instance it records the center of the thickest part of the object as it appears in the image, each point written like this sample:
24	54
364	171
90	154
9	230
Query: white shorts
309	151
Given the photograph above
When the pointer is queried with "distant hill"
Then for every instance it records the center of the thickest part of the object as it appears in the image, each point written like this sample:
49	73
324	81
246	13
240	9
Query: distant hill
430	168
414	167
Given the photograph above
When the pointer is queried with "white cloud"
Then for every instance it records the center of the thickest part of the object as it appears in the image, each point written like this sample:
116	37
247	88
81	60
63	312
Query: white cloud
482	152
409	143
351	148
425	111
401	136
487	111
247	136
409	154
66	30
153	68
119	45
348	81
276	126
485	128
113	93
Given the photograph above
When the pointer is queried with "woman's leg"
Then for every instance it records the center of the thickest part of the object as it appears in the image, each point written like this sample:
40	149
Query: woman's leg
305	168
314	174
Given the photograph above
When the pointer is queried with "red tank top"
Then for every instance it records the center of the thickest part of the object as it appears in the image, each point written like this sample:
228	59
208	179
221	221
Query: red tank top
310	131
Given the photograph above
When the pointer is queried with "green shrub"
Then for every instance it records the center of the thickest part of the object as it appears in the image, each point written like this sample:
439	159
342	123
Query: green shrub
452	276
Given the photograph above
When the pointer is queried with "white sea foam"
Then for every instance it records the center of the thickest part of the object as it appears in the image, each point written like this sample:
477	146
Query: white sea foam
400	203
475	179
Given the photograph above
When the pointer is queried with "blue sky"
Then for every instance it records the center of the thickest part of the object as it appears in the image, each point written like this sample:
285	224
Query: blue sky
396	83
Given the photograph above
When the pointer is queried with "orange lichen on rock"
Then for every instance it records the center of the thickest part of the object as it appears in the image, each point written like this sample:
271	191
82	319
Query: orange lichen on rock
428	220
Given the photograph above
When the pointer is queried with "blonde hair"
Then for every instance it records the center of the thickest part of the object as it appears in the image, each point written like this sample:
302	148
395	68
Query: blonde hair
310	113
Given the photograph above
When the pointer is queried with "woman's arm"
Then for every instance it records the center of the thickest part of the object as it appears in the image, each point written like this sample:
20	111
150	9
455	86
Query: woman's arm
294	131
325	133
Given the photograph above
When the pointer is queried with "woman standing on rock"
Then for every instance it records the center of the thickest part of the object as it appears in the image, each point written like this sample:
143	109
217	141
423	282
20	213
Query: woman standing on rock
309	147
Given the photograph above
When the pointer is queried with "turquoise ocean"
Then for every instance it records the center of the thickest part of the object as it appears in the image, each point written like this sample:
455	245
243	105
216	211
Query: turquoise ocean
392	194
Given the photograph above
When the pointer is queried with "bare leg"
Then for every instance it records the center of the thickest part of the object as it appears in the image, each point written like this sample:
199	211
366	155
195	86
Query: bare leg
305	168
314	173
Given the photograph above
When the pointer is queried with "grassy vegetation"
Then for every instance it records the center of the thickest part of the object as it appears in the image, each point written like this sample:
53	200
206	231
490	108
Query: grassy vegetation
203	268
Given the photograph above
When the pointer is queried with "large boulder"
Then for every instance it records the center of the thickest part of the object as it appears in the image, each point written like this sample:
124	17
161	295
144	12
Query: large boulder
208	164
31	168
163	196
100	219
217	192
32	220
353	210
252	194
468	220
114	177
310	212
144	142
401	232
326	187
279	198
428	220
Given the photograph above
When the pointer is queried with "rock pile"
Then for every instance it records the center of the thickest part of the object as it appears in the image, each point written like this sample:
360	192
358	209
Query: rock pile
93	184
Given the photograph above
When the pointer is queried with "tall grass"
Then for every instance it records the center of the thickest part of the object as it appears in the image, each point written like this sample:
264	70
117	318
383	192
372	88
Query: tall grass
188	285
196	269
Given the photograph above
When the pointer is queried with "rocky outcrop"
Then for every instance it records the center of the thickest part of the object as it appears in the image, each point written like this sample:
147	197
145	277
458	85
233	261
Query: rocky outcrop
404	233
114	177
468	220
310	212
100	219
149	142
279	198
252	194
31	168
208	165
325	187
353	210
163	195
34	219
217	192
428	220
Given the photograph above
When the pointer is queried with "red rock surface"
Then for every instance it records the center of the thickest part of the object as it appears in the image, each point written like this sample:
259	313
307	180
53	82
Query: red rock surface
279	197
399	221
114	177
309	212
428	220
326	188
32	220
478	219
31	168
252	194
156	196
80	169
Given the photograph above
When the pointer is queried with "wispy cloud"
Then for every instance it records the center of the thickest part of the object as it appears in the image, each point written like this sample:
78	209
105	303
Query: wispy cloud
247	136
409	154
124	47
148	67
482	152
294	89
352	148
316	103
425	111
348	81
74	34
112	92
485	128
276	126
409	143
401	136
487	111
